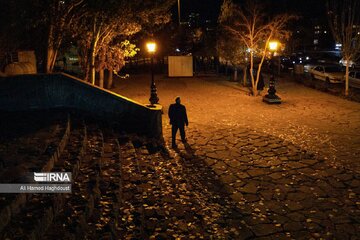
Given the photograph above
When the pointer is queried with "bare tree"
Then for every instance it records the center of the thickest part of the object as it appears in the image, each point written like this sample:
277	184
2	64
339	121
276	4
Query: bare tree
254	29
344	20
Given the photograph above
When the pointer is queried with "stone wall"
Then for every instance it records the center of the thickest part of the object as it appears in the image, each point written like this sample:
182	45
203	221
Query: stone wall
46	91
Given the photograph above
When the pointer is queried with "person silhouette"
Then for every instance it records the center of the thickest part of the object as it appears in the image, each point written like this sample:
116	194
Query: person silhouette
178	120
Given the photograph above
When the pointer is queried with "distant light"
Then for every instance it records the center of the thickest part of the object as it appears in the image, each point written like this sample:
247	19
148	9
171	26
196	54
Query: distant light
338	46
325	32
151	47
273	45
177	50
307	58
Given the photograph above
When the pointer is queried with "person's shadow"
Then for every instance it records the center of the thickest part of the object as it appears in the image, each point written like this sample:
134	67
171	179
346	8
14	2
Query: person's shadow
189	152
202	177
189	149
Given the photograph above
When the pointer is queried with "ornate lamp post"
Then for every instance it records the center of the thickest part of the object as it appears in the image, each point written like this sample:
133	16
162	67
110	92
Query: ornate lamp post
271	97
151	48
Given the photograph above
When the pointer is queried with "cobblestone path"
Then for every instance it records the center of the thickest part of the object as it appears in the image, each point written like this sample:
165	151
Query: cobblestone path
282	192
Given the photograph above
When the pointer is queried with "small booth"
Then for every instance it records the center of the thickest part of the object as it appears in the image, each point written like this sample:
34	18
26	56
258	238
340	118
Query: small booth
180	66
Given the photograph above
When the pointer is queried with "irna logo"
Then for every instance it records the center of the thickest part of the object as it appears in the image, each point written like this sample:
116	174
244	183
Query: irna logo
52	177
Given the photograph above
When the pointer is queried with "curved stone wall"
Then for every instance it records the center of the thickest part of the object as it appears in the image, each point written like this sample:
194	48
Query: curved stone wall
46	91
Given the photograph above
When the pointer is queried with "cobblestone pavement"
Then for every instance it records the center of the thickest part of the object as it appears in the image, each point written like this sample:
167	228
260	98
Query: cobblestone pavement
292	169
325	124
282	192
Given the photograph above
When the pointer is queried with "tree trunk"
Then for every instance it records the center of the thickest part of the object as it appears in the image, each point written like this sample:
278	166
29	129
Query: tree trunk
217	65
244	76
235	74
92	65
49	59
255	91
253	85
101	78
110	80
347	78
87	72
50	51
94	42
53	46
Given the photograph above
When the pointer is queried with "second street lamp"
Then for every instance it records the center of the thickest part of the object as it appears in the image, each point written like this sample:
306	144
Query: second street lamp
151	48
271	97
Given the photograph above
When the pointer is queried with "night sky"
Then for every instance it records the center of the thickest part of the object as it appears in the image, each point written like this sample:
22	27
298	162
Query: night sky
209	9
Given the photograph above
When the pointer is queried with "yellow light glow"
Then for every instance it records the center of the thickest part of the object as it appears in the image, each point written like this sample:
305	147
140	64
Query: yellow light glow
151	47
273	45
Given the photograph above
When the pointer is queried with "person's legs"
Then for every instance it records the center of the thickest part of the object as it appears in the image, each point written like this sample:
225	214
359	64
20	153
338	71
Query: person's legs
182	133
174	129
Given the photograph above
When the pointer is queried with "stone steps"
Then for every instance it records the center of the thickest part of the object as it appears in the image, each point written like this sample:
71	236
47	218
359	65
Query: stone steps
92	210
11	204
127	187
104	220
39	210
23	154
79	206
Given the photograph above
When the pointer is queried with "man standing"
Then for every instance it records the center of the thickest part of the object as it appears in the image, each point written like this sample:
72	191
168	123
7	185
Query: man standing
178	119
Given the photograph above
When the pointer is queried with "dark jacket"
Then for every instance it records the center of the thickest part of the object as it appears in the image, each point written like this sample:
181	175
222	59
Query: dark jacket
177	114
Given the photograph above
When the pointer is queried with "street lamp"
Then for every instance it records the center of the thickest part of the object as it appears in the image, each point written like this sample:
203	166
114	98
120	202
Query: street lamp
151	48
273	46
179	15
271	97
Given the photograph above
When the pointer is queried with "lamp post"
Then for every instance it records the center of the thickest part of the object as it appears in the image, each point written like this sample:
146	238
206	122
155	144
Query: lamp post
151	48
271	97
179	15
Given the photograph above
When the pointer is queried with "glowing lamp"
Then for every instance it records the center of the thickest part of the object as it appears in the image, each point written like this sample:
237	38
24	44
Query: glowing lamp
273	46
151	47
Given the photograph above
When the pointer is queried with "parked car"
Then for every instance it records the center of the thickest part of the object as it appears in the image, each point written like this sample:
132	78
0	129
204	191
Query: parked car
329	74
354	79
343	63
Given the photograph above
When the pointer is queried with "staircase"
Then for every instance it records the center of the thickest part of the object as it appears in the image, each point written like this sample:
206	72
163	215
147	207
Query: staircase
124	186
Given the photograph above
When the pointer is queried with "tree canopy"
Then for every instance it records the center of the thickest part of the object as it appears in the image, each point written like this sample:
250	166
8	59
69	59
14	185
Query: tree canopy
100	29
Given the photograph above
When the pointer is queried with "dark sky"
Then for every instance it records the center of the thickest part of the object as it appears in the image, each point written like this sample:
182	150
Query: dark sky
209	9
